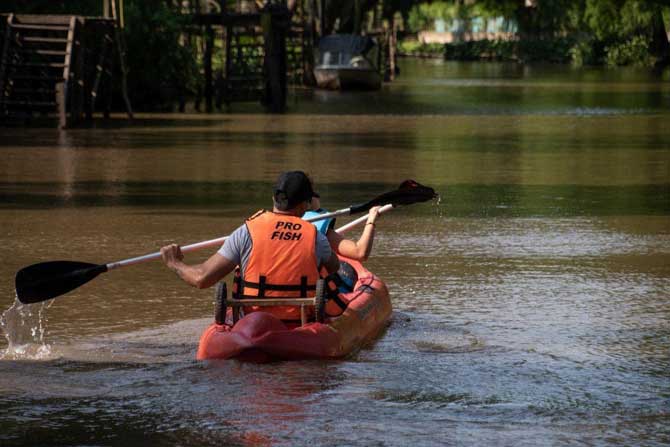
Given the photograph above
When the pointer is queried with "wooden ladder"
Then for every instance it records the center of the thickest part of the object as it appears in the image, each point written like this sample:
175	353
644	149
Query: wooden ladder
37	62
57	64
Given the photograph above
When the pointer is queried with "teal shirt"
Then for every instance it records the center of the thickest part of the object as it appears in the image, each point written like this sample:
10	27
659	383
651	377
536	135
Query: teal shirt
323	225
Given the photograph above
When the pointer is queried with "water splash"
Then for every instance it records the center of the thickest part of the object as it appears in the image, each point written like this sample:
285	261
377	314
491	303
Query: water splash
24	327
437	206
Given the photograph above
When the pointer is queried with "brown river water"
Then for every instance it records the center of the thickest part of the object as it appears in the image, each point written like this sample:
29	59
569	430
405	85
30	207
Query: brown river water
531	304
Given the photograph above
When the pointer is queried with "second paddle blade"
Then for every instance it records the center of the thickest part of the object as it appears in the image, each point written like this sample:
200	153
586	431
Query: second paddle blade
408	192
47	280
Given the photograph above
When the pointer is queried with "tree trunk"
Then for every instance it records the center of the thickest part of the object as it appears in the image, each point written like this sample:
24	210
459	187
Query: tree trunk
525	19
659	47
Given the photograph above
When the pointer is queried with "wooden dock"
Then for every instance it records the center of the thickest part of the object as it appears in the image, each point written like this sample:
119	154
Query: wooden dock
263	52
58	64
66	64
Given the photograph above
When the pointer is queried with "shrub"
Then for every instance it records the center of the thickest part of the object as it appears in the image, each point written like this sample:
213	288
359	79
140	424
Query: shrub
634	51
582	53
555	50
481	49
414	47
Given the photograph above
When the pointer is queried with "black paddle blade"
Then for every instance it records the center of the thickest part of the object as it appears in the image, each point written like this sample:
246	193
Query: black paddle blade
407	193
47	280
410	192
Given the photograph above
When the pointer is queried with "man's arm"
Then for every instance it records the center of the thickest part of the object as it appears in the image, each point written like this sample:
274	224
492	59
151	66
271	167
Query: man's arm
327	258
200	275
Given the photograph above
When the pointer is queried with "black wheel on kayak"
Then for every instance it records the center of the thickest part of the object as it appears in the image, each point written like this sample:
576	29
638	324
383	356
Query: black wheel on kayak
320	301
220	302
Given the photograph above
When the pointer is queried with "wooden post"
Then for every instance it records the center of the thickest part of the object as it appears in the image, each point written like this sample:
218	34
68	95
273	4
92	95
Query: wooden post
209	44
87	85
274	40
3	60
229	63
322	17
108	89
121	52
64	95
120	48
60	99
102	68
77	75
392	45
380	59
358	16
308	44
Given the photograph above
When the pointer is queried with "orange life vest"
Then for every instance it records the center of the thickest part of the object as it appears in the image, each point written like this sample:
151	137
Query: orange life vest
282	262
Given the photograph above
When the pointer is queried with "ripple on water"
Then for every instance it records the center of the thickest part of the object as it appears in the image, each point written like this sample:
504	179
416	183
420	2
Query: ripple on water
431	398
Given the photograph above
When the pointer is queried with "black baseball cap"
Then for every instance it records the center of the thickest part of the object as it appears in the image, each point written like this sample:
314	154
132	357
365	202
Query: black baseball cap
292	187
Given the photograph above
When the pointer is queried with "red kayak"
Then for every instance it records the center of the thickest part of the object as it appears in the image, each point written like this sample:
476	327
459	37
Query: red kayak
261	337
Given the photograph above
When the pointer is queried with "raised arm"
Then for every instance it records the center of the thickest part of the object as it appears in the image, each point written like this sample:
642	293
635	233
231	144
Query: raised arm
199	275
358	250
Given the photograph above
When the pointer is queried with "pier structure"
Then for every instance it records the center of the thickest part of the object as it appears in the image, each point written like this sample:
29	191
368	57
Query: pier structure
62	64
66	64
252	52
260	52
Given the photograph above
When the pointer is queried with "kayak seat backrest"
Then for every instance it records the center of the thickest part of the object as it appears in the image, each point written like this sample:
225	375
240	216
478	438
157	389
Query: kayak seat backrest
252	303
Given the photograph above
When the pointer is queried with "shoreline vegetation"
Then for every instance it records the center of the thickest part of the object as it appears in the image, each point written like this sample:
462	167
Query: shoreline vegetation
559	51
526	51
164	51
589	32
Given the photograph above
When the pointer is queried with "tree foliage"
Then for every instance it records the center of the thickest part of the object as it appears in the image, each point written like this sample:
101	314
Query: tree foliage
615	32
162	67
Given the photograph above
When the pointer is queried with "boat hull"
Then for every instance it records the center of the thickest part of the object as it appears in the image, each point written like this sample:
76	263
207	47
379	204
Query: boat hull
347	79
262	337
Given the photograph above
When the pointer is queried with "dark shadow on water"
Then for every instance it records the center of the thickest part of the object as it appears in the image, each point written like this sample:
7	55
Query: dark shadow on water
458	200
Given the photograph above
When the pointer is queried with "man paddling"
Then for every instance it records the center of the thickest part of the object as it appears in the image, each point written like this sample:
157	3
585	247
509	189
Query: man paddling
278	253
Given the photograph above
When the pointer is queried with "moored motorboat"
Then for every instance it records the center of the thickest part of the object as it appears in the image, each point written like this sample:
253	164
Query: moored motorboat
347	62
260	336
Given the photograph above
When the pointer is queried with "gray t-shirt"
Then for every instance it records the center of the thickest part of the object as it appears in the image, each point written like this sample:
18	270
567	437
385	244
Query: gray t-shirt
237	247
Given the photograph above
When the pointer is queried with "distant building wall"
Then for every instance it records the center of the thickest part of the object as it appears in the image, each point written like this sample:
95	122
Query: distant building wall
477	28
451	37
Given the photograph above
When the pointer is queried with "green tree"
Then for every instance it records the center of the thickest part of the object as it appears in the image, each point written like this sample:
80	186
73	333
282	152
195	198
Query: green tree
631	31
161	68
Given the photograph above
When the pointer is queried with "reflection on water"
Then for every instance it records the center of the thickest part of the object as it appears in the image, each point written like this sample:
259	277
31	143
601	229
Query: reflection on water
531	303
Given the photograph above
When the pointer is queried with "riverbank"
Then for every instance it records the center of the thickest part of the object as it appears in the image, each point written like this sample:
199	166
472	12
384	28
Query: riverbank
526	51
561	50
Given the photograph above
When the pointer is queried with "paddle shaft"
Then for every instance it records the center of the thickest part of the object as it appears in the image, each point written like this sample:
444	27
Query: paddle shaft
354	223
157	255
350	210
221	240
